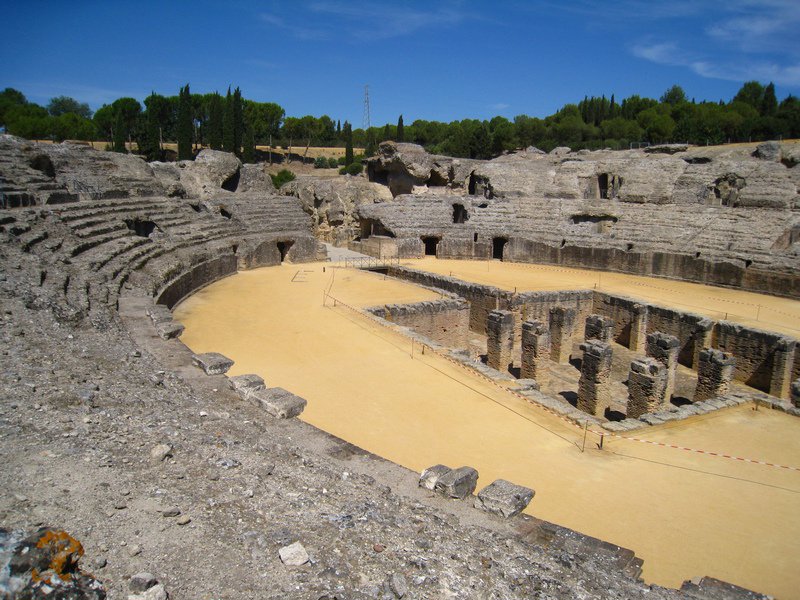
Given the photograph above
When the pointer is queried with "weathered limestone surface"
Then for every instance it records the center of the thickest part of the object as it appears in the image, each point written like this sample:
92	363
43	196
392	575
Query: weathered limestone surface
714	374
599	328
457	483
594	385
535	351
332	204
562	328
278	402
664	348
212	363
444	322
500	339
504	498
402	167
431	475
719	216
245	385
647	385
796	393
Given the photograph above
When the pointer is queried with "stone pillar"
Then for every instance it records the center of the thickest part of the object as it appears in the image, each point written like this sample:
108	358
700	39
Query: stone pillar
639	328
647	382
796	393
594	386
703	338
714	374
782	364
500	339
599	328
562	327
664	348
535	351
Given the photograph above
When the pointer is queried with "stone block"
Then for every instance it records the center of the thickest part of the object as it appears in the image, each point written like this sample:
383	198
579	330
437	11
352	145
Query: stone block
212	363
504	498
431	475
457	483
279	402
245	385
159	313
168	330
599	328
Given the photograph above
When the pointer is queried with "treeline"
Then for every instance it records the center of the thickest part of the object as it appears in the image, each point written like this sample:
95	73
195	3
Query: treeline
233	123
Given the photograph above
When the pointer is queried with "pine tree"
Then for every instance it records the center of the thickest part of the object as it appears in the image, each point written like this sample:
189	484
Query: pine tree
371	146
215	118
401	134
184	124
348	148
238	122
228	120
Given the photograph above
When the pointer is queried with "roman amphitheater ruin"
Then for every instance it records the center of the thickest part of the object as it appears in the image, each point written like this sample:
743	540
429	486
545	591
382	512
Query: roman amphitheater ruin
556	375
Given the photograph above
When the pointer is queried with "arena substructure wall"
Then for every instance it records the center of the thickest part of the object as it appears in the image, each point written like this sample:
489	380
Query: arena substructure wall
766	361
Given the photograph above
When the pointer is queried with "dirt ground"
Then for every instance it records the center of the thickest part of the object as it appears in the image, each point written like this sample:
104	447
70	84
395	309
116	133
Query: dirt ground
684	513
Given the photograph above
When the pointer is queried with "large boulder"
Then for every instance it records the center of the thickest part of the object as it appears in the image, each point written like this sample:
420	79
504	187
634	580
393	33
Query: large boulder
333	203
404	167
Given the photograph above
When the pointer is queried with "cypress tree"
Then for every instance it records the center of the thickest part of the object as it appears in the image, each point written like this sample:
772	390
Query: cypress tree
769	104
348	148
185	124
249	151
371	146
215	122
238	122
119	134
151	147
401	134
228	139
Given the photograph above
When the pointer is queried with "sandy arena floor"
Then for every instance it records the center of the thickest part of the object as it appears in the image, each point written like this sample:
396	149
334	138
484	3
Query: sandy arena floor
685	514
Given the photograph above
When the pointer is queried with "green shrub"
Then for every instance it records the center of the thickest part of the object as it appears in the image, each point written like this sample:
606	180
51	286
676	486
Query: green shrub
320	162
353	169
340	161
283	176
333	163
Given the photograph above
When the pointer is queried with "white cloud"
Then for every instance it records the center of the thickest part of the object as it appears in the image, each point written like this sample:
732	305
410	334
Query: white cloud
500	106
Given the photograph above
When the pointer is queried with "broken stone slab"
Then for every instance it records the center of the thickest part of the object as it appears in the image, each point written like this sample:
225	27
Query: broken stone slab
279	402
141	582
168	330
157	592
651	419
293	555
504	498
159	313
212	363
245	385
457	483
431	475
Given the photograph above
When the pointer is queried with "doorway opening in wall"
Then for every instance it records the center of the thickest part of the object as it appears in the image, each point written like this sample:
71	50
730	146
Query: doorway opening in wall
602	183
430	245
284	247
498	245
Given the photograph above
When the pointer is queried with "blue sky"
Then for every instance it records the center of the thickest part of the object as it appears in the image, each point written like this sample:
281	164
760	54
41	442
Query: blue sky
427	60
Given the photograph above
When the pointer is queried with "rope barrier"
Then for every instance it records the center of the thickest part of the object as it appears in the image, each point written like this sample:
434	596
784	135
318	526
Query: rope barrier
581	427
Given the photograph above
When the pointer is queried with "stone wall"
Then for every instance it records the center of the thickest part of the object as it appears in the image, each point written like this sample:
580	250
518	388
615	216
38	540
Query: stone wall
753	349
195	278
445	322
482	298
